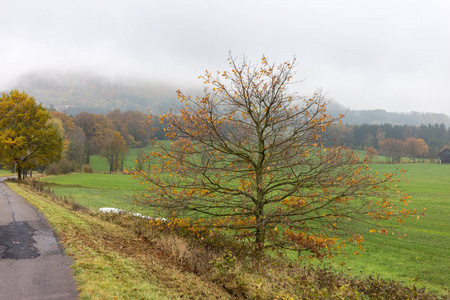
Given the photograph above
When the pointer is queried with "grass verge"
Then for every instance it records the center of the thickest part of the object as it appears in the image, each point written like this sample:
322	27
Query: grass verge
111	261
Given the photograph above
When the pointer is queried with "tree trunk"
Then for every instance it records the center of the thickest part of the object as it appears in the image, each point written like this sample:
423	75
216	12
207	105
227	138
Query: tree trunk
111	163
19	173
260	235
260	232
122	161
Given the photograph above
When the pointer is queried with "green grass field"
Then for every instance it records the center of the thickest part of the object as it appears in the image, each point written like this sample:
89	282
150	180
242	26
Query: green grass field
100	164
97	190
422	257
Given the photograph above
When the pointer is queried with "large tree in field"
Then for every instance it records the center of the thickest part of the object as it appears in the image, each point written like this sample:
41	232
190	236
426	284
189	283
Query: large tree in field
74	138
415	148
393	149
113	147
27	138
132	125
256	166
95	128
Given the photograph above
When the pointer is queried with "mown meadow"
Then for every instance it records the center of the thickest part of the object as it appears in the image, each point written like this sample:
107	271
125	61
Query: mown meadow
418	253
422	254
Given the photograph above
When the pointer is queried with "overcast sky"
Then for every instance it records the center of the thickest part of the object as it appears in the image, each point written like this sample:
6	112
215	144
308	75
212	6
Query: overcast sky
392	55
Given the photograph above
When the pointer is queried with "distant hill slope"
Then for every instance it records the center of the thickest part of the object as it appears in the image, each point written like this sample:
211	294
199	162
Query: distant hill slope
76	92
379	116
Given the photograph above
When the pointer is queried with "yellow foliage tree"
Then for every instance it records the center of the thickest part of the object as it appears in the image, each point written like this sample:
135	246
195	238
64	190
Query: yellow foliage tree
113	147
27	137
258	168
415	148
371	152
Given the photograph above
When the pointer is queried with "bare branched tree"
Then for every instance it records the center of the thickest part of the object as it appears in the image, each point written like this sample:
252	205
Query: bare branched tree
257	166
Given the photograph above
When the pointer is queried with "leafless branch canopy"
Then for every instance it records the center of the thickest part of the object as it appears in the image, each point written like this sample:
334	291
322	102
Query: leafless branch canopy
253	161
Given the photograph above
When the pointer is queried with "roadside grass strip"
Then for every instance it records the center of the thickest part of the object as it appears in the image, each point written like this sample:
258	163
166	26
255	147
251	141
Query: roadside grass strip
113	262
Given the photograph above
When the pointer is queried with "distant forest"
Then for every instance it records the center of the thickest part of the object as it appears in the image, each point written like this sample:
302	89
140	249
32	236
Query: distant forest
73	93
86	134
436	136
380	117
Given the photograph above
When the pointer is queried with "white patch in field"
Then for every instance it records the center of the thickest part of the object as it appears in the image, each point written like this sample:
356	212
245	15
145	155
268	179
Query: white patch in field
121	211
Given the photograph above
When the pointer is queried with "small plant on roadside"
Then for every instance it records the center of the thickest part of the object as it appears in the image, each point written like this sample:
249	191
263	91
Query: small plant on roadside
226	263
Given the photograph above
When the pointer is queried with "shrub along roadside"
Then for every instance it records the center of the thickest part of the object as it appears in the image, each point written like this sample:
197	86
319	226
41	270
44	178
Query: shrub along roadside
142	260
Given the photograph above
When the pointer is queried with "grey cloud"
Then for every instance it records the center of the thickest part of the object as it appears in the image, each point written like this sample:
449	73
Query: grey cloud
379	54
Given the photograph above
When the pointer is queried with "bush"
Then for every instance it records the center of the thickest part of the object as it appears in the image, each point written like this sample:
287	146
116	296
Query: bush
64	166
87	169
52	169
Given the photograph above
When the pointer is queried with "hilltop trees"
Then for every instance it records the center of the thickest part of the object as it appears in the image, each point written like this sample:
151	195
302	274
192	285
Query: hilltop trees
256	166
27	138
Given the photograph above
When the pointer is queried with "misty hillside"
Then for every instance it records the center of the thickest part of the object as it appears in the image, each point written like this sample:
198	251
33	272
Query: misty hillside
76	92
380	116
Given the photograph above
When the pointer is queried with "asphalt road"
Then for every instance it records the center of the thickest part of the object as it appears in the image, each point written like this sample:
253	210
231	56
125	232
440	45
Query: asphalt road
32	263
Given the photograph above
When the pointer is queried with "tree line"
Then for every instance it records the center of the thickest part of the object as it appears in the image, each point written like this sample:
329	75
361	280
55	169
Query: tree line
110	135
394	141
35	137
